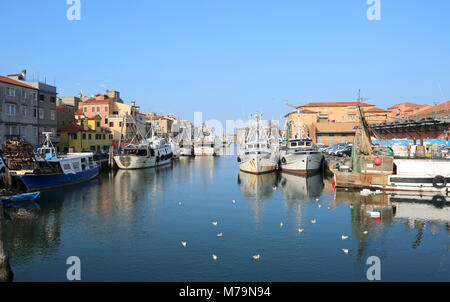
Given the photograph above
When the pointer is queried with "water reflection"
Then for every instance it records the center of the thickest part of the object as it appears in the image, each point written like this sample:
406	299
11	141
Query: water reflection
414	211
257	189
298	188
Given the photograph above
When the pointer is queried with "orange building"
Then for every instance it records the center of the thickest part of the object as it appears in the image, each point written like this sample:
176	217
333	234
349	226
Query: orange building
442	109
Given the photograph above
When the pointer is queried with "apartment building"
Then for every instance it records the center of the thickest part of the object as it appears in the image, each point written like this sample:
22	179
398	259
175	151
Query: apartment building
46	105
18	111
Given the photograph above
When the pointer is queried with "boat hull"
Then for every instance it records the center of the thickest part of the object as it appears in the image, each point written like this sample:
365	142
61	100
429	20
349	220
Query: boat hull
127	162
34	182
186	151
203	151
257	165
304	163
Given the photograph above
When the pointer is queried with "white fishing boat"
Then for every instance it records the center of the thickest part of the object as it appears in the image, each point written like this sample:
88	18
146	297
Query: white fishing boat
140	153
204	142
259	154
300	155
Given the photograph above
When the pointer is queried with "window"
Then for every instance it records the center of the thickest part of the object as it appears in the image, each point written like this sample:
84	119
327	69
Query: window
293	144
12	130
110	136
52	115
98	109
84	135
76	166
106	109
23	110
90	136
67	167
41	114
111	124
85	109
10	109
35	131
35	96
41	97
98	124
23	131
10	91
53	99
104	136
120	124
74	136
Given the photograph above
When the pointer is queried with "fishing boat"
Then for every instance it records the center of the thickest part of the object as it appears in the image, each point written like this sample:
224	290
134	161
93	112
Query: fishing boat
141	152
51	170
204	142
376	167
300	155
259	153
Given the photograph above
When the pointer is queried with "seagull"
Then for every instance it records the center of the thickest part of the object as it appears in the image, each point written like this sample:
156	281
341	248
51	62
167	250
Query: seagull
313	221
328	208
317	199
320	206
345	251
256	257
179	203
351	206
281	224
365	232
274	188
344	237
234	201
301	230
214	257
214	223
183	243
220	235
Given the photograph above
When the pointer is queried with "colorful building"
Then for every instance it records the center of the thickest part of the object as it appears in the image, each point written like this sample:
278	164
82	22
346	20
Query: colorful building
405	110
86	134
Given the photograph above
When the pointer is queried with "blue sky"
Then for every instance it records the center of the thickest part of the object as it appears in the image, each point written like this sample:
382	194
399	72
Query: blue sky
231	58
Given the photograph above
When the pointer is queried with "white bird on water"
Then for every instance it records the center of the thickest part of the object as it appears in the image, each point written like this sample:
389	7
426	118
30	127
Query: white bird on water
301	230
345	251
328	208
234	201
365	232
320	206
220	235
214	223
344	237
281	224
179	203
184	243
317	199
256	257
313	221
214	257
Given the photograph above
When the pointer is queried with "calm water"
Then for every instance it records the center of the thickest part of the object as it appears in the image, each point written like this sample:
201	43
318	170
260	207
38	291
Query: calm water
127	226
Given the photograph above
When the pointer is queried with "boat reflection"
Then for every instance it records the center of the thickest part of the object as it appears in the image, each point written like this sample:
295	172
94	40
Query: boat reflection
416	212
298	188
257	189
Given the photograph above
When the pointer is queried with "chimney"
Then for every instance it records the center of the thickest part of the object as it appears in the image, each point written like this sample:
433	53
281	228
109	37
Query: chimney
24	74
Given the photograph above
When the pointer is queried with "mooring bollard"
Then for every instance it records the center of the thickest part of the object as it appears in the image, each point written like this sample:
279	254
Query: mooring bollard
6	275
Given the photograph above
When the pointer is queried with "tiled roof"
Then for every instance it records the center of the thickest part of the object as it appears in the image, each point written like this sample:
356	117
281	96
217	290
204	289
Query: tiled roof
376	109
435	109
14	82
73	128
78	112
407	104
335	104
98	98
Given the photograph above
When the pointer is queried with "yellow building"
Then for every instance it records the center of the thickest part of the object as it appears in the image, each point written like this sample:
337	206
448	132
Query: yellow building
86	134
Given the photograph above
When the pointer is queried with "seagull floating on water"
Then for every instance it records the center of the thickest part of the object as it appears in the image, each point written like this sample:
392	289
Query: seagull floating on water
179	203
301	230
220	235
214	223
344	237
320	206
234	201
350	206
328	208
214	257
345	251
281	224
256	257
313	221
365	232
183	243
317	199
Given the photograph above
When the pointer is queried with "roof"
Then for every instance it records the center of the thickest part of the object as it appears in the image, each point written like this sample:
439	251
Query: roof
99	98
73	128
407	104
78	112
304	110
435	109
14	82
335	104
376	109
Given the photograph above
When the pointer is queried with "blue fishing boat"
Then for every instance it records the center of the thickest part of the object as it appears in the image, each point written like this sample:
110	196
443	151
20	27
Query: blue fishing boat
53	171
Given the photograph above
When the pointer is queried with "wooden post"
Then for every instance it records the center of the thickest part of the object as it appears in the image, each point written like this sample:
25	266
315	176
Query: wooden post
6	275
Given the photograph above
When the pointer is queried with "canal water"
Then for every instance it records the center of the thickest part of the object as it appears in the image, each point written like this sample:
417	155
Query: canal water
128	226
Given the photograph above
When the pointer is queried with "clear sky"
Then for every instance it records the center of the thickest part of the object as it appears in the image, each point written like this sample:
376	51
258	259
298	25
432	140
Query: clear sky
229	58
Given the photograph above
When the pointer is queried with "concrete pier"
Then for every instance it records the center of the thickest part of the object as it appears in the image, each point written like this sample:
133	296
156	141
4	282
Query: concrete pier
6	275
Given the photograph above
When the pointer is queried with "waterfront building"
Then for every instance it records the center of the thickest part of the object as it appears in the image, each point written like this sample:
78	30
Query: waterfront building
65	114
46	106
18	110
86	134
